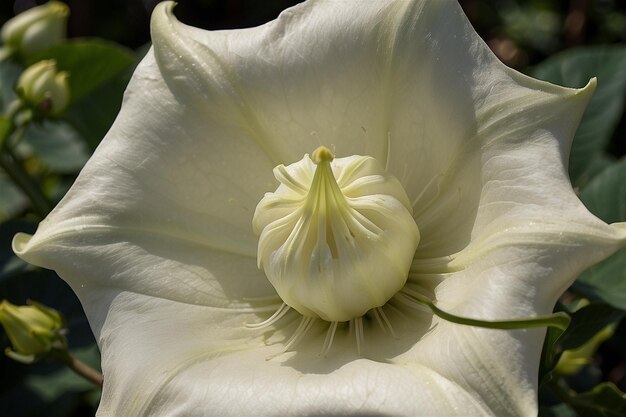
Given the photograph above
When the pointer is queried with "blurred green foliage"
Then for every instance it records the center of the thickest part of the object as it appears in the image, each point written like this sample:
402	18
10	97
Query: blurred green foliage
565	42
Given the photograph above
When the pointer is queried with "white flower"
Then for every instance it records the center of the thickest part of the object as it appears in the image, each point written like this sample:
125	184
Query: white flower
156	235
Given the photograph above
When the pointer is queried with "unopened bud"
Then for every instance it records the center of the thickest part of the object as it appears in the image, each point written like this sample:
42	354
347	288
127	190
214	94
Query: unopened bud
36	29
573	360
44	88
33	330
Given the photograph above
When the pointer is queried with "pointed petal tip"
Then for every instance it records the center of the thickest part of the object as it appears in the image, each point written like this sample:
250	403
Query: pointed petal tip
620	229
20	243
162	15
165	7
588	89
584	94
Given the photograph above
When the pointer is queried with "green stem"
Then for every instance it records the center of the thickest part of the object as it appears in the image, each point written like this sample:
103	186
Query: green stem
79	367
559	320
12	165
24	181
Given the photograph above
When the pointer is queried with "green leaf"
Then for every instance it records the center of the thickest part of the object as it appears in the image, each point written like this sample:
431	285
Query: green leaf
605	400
585	323
574	68
57	144
5	127
94	114
12	201
560	410
9	72
90	62
549	354
50	387
595	166
605	196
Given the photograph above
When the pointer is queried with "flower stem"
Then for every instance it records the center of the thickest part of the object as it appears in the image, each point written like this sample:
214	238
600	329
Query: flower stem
25	182
79	367
559	320
11	135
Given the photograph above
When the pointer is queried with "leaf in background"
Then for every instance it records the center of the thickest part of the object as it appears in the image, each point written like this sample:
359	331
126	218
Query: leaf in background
605	400
560	410
9	71
605	196
50	389
595	166
53	385
12	200
90	62
588	321
94	114
45	388
5	126
574	68
57	144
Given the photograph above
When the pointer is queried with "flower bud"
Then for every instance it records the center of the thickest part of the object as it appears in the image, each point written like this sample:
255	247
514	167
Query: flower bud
44	88
573	360
32	329
36	29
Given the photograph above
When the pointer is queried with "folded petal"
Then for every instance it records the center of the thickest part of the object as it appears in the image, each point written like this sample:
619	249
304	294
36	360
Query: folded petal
156	234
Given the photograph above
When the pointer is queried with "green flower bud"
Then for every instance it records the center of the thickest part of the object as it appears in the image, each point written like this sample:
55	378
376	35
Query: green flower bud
44	88
36	28
32	329
572	361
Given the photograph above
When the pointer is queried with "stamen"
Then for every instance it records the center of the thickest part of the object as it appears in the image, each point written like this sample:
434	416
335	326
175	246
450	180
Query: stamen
282	310
382	314
420	292
305	324
337	237
358	324
405	299
393	305
374	312
330	336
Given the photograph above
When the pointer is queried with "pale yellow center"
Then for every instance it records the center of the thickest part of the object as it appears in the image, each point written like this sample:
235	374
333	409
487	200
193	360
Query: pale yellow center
337	236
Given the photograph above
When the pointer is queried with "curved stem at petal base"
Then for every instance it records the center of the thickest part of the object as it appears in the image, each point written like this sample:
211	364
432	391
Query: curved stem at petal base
559	320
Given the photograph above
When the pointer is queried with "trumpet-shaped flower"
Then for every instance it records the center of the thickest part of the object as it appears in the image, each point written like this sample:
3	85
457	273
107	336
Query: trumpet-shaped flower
253	233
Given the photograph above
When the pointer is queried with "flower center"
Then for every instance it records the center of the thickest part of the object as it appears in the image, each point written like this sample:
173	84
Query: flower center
336	237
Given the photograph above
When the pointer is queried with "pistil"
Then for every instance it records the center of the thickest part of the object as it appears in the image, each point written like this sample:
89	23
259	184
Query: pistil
341	242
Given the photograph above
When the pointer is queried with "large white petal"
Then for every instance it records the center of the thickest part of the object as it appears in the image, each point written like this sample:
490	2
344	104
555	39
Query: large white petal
155	237
164	361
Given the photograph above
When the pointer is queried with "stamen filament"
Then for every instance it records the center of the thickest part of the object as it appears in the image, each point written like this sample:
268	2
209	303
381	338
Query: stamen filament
382	314
330	336
305	324
358	331
282	310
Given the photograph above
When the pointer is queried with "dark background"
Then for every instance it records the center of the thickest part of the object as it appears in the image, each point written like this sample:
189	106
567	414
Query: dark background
522	33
